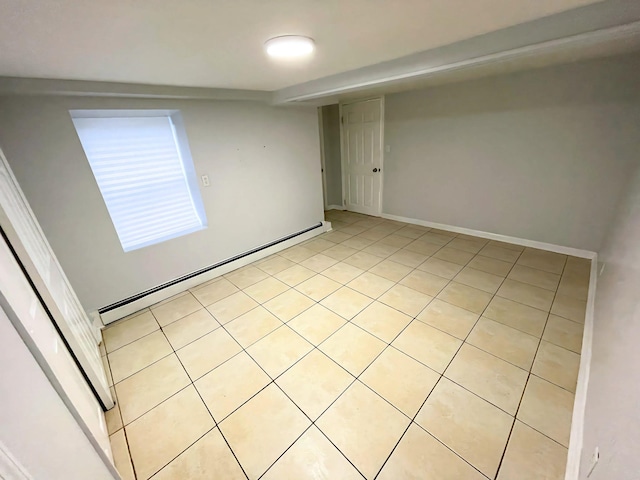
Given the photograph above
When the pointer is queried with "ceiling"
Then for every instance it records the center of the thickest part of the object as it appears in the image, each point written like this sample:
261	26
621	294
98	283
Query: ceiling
218	43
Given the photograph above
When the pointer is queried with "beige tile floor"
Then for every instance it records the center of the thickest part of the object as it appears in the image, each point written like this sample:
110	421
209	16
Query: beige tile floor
378	350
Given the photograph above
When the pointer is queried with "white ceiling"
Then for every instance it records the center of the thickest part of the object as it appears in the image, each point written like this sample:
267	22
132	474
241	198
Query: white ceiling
218	43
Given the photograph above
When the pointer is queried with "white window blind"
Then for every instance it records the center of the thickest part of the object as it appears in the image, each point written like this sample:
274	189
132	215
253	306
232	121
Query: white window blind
150	192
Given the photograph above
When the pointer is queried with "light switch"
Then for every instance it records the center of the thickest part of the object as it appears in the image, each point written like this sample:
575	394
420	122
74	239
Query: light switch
205	180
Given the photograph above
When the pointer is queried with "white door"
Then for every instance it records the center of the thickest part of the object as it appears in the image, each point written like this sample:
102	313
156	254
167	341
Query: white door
362	156
32	248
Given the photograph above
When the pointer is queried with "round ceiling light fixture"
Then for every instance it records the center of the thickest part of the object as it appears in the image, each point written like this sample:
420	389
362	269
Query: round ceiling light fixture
289	46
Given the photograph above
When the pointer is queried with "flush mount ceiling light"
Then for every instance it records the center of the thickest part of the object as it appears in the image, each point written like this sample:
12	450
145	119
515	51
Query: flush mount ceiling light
289	46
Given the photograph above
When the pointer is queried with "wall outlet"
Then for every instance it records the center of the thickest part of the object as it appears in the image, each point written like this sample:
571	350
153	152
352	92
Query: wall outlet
205	180
594	461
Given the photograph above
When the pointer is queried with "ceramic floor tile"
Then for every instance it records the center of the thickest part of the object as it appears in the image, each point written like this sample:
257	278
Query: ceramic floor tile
527	294
569	307
362	260
390	270
349	229
149	387
370	284
471	246
266	289
512	345
137	355
516	315
487	282
547	408
208	352
314	383
438	237
564	333
380	249
401	380
424	282
312	457
295	275
121	458
420	456
275	264
288	305
340	252
557	365
279	350
210	457
382	321
408	258
352	348
396	240
495	380
491	265
346	302
318	287
373	235
319	245
190	328
543	260
342	272
499	253
231	384
258	438
364	427
412	231
316	323
297	253
470	426
508	246
318	262
533	276
252	326
441	268
112	417
427	345
232	307
532	456
423	247
107	370
465	297
357	243
574	285
336	237
126	331
176	309
453	255
453	320
214	292
184	415
405	299
246	276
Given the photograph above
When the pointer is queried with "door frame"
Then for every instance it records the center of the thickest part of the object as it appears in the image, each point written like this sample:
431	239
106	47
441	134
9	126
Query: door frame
342	148
323	164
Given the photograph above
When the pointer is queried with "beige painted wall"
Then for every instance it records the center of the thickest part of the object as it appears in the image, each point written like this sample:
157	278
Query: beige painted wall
262	162
612	420
332	154
540	155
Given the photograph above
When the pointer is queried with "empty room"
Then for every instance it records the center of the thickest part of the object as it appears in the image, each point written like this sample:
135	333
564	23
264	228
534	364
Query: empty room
271	240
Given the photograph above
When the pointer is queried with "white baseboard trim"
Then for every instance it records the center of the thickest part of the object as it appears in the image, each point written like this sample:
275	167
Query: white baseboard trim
580	400
155	297
575	252
335	207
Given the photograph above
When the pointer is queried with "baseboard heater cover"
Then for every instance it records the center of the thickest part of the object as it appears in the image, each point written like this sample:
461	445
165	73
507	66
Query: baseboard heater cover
188	276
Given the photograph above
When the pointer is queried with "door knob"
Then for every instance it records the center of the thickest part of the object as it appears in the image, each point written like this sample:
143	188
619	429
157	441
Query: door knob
375	170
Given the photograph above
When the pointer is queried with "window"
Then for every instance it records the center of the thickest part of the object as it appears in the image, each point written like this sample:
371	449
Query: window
143	167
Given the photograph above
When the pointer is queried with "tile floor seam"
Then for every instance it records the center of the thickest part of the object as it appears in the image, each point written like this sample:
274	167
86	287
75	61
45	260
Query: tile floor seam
515	415
208	410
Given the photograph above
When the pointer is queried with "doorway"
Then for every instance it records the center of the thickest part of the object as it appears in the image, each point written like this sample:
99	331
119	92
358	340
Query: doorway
362	125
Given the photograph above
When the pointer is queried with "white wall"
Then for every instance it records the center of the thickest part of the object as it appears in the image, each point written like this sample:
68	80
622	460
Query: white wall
332	154
37	429
612	420
540	155
262	162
